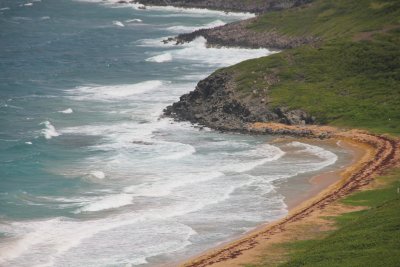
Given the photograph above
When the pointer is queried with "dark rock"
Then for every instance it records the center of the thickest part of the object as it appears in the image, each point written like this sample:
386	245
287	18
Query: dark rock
214	103
293	117
238	34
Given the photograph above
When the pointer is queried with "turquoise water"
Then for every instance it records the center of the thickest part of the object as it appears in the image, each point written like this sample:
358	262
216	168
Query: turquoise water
90	175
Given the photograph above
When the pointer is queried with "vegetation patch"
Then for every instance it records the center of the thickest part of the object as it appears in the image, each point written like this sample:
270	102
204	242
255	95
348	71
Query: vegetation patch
364	238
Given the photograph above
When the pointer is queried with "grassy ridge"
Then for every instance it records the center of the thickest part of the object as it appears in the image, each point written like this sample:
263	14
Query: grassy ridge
364	238
350	79
332	18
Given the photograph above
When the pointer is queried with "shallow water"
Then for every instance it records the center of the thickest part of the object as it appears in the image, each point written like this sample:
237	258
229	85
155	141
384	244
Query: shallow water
90	175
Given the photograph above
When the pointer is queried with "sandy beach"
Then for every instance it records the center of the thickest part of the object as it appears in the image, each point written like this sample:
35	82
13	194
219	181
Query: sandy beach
371	155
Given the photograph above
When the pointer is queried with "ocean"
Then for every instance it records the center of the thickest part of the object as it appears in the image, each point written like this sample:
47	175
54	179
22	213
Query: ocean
91	174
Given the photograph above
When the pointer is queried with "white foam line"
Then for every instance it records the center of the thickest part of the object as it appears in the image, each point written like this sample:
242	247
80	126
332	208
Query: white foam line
268	152
113	92
185	29
161	58
328	157
198	51
202	11
118	23
166	187
66	111
108	202
62	234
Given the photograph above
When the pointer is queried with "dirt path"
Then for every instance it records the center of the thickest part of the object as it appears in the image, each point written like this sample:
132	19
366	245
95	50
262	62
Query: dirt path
385	155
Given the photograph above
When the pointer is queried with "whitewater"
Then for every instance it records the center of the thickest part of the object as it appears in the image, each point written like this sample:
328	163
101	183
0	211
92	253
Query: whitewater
91	173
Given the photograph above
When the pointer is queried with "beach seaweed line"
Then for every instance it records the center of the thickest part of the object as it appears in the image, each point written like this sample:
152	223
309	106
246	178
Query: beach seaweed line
386	154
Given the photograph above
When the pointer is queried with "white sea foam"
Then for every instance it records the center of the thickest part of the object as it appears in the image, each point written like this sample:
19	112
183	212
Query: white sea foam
123	135
4	8
97	174
28	143
118	23
328	157
186	29
178	11
66	111
199	52
28	4
156	42
45	18
133	20
178	151
49	131
166	186
266	153
108	202
113	92
161	58
53	242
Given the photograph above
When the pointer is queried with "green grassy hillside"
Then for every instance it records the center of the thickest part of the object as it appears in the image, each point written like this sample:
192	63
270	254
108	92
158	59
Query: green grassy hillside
365	238
332	19
351	78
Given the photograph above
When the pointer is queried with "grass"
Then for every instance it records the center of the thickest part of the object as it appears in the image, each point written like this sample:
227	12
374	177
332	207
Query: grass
332	19
369	237
341	82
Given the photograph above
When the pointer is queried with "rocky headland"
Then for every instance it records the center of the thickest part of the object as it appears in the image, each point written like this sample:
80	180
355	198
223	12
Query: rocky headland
238	34
216	104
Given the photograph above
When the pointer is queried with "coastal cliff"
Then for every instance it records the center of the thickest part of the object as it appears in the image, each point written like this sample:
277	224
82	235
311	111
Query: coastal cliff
216	103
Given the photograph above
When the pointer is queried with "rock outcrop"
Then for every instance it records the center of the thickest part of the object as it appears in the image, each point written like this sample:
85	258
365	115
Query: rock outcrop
238	34
215	104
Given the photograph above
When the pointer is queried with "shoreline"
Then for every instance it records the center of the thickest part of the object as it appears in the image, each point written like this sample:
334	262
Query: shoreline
380	153
323	179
